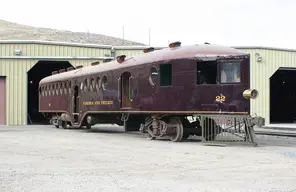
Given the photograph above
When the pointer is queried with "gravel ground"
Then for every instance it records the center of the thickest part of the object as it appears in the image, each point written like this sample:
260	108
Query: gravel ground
43	158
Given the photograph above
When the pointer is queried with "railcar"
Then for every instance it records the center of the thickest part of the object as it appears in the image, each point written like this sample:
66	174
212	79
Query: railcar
153	92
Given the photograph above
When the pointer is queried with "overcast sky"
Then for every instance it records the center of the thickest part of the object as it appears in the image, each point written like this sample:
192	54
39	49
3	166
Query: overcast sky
227	22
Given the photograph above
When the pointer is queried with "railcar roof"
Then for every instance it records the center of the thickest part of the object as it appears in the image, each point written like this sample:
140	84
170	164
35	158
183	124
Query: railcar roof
189	51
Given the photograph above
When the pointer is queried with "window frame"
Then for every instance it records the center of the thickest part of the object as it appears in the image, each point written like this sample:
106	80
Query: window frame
159	74
217	75
152	83
102	82
220	63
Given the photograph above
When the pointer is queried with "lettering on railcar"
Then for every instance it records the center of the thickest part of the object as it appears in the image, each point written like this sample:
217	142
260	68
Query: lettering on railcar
97	102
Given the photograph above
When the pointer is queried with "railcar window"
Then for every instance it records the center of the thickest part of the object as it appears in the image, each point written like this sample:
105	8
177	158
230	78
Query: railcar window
153	78
45	90
98	83
86	84
165	74
105	82
206	72
42	91
92	84
61	87
230	72
81	86
50	90
69	87
57	88
65	87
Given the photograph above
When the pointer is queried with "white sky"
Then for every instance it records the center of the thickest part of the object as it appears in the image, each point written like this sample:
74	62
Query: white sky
227	22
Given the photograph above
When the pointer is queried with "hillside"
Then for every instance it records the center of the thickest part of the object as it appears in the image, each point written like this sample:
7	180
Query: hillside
15	31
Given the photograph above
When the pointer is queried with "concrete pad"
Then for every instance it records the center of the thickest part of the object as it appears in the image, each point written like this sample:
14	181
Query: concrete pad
43	158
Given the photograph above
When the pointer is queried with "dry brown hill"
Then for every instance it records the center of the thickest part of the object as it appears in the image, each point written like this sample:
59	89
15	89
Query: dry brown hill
15	31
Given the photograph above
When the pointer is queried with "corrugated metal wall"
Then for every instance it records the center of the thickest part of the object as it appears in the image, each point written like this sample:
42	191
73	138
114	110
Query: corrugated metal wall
51	50
16	70
16	92
128	53
261	73
131	52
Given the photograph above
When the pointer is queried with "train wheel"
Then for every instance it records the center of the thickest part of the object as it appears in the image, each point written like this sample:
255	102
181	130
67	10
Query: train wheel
210	129
177	133
64	124
88	126
150	137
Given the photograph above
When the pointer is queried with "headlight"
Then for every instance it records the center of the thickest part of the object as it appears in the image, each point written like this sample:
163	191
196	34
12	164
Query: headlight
250	94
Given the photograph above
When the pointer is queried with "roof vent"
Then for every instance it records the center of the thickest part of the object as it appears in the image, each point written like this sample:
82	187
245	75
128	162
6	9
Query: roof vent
175	44
150	49
54	72
207	43
70	68
62	70
78	66
107	60
121	58
95	63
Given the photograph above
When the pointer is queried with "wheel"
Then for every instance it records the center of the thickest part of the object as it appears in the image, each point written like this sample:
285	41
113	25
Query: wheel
185	136
150	137
64	124
210	129
88	126
177	135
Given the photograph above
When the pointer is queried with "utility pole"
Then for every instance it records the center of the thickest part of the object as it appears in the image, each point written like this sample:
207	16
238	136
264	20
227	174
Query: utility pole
123	34
149	35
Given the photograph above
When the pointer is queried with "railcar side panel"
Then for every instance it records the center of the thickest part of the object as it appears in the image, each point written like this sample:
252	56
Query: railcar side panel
163	83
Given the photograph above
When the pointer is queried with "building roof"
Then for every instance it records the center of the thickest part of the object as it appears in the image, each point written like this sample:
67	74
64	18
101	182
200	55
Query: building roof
265	48
87	45
14	31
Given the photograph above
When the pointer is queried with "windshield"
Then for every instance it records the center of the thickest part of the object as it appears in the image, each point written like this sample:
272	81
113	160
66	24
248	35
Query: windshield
230	71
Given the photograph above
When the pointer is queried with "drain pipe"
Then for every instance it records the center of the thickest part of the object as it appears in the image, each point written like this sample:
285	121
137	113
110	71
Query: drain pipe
113	52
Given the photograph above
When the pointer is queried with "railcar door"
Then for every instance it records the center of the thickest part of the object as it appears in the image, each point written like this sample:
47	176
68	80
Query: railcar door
126	90
234	78
76	103
207	94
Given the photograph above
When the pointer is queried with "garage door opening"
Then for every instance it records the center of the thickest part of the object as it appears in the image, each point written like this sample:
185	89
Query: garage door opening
40	70
283	96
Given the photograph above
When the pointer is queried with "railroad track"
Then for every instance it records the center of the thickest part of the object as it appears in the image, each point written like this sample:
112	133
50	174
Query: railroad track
275	133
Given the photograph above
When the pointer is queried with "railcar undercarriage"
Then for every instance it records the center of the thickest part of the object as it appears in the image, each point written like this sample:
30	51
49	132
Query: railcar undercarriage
211	128
177	128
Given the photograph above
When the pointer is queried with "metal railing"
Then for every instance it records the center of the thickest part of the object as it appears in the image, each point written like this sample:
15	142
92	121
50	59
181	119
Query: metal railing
229	128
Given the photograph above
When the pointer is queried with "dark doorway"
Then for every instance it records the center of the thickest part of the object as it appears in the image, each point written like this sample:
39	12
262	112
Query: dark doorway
125	90
40	70
76	103
283	96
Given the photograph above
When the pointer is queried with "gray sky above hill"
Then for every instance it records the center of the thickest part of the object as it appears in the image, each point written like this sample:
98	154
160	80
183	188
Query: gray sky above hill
227	22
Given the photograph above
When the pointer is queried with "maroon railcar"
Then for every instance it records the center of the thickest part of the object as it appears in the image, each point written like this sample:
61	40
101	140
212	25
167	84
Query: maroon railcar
155	89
